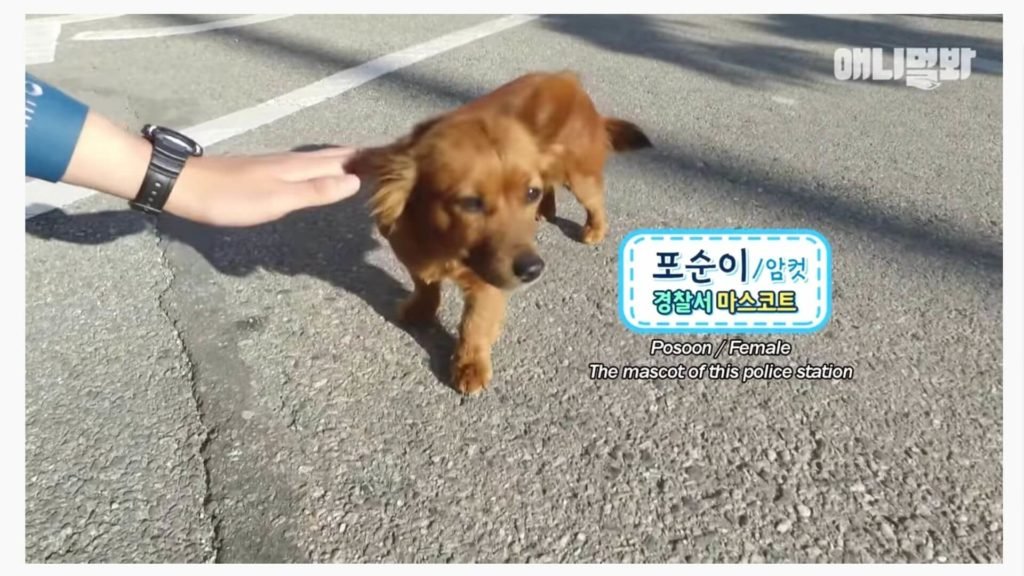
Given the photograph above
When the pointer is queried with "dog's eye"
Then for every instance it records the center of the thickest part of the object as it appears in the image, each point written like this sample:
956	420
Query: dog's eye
471	204
533	194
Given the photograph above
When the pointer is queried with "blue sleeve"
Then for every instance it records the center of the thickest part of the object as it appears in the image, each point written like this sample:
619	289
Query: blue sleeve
53	122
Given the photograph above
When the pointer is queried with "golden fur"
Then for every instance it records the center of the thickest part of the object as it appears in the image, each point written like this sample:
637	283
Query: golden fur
459	198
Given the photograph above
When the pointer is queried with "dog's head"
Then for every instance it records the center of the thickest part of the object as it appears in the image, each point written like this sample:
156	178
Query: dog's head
468	188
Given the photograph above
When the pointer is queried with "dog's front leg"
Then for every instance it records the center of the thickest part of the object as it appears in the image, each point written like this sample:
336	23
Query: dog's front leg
482	319
421	306
589	190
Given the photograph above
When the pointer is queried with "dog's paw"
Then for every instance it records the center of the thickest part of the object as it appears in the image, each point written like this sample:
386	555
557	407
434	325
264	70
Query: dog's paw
593	235
417	311
472	375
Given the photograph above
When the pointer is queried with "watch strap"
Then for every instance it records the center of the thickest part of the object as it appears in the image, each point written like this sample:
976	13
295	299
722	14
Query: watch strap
170	152
164	168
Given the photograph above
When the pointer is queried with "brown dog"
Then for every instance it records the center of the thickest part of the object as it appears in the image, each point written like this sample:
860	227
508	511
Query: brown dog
459	199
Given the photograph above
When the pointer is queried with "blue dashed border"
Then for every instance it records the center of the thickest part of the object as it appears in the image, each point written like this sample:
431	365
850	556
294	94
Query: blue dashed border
627	293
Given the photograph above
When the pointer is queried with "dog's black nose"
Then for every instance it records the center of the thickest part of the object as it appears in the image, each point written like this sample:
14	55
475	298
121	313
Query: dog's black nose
527	267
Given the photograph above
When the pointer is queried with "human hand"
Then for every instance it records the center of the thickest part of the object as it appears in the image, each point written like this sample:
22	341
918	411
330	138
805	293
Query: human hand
220	190
250	190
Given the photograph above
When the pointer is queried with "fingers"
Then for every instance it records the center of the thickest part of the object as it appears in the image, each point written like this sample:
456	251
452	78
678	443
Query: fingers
362	161
336	189
342	152
311	165
320	191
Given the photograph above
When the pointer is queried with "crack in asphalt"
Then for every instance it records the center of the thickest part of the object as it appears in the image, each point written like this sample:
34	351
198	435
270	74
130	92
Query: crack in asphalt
192	378
249	499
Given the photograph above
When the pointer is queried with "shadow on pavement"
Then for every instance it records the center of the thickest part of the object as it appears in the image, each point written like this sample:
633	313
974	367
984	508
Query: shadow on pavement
824	207
329	243
670	41
964	17
854	32
753	64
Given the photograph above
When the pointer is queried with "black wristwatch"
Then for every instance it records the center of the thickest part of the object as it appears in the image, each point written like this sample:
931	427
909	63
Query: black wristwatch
170	151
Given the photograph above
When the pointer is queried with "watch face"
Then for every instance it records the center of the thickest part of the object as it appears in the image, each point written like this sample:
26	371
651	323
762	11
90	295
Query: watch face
174	140
170	138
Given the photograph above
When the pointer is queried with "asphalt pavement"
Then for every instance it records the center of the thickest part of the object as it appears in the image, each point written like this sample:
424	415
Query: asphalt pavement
199	395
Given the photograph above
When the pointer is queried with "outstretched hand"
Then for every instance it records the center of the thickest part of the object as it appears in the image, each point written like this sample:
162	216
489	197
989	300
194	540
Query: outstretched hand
250	190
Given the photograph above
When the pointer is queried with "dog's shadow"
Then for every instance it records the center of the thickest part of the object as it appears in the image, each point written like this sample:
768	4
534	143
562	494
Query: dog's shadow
331	243
572	230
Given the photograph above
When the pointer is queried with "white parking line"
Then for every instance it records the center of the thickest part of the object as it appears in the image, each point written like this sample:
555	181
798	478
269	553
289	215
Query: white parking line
41	42
74	18
42	196
244	120
136	33
41	35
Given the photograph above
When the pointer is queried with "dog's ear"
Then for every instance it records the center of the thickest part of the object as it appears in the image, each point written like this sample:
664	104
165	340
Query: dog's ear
420	129
394	168
396	178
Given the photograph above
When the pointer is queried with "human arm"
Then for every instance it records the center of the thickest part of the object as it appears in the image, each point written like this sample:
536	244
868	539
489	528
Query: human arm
67	142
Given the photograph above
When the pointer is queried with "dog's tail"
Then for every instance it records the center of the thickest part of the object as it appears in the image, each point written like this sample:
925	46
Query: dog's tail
624	136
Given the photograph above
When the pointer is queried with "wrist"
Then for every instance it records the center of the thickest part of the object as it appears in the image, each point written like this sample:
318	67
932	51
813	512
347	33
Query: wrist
108	158
184	200
171	151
